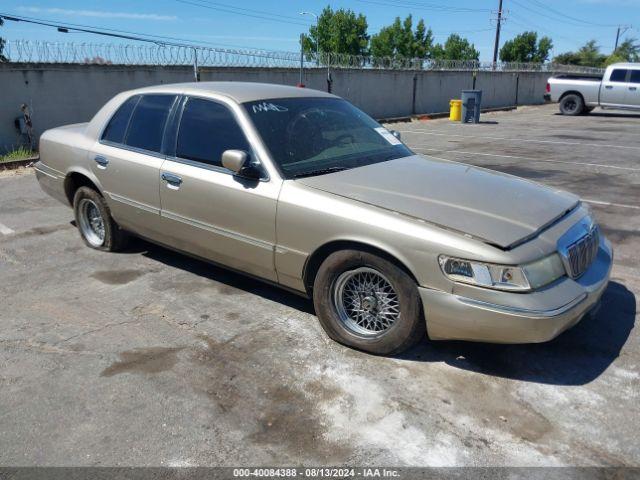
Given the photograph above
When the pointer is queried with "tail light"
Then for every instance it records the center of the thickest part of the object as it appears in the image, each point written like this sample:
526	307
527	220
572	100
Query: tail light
548	87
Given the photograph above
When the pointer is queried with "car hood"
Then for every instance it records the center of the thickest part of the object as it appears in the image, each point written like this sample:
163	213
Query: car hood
497	208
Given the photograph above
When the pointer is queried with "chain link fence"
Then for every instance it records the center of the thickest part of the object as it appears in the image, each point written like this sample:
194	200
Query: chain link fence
29	51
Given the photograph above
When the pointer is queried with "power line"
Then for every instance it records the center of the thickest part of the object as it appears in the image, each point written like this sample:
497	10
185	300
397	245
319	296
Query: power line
244	12
112	32
525	23
560	17
424	6
565	16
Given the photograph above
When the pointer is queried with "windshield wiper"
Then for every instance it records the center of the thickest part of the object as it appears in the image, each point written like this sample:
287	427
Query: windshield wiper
321	171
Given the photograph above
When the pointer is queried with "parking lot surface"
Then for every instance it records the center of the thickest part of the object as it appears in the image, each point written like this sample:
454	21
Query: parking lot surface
148	357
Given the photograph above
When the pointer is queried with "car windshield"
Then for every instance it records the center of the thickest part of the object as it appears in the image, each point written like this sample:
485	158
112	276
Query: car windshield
313	135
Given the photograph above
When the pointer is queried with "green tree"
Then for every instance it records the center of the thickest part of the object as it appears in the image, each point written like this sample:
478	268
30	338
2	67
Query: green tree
456	48
2	43
400	40
526	48
567	58
587	56
629	50
339	31
590	55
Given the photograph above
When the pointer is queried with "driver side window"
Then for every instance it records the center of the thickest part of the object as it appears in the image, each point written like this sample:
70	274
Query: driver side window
206	130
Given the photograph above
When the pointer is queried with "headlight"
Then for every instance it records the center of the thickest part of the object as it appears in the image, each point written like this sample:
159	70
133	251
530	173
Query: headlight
503	277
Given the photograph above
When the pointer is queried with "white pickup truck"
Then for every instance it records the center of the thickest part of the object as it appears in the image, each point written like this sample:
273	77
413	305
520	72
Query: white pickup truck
619	87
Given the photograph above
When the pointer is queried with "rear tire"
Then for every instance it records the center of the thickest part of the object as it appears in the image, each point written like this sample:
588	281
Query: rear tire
95	224
368	303
571	104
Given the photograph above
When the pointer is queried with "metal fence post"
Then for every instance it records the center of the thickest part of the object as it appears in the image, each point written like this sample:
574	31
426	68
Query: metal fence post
196	74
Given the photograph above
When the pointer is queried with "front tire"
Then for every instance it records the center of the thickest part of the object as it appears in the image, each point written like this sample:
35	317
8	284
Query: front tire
95	224
368	303
572	104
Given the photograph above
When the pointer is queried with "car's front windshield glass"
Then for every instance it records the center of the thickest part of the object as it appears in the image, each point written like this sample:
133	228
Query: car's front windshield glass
314	135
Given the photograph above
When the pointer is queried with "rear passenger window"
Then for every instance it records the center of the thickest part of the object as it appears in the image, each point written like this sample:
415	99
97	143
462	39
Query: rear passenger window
206	130
146	127
118	124
618	75
635	76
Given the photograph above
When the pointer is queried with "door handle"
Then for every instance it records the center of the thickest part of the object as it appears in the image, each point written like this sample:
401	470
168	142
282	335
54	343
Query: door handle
608	87
101	161
173	181
633	89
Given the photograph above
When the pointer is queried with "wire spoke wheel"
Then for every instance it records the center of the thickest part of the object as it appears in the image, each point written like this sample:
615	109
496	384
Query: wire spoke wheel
91	222
365	301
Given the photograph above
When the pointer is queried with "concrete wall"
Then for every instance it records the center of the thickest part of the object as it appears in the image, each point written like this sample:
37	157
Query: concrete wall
63	94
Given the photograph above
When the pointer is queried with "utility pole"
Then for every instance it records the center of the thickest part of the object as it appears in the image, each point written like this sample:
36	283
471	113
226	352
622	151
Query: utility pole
624	28
497	44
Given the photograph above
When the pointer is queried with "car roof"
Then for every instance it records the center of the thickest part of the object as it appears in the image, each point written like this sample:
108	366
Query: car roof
240	92
625	65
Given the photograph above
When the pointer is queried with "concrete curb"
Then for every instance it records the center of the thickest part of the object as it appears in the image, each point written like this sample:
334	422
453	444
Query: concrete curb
432	116
18	163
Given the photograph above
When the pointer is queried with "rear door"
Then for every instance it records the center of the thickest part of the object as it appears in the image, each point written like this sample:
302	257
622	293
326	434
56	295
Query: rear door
208	211
633	91
127	160
613	91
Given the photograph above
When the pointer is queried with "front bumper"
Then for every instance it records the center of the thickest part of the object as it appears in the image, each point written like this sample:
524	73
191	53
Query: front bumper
518	317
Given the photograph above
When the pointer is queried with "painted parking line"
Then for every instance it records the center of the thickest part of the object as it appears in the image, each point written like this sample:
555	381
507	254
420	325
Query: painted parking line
532	159
4	230
588	200
527	140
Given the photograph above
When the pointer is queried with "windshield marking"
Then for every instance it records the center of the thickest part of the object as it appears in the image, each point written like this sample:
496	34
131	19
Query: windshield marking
269	107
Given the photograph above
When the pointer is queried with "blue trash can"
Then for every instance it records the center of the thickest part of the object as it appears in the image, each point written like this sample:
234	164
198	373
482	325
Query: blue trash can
471	101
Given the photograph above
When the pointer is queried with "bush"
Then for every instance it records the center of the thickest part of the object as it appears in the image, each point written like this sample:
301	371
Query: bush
19	153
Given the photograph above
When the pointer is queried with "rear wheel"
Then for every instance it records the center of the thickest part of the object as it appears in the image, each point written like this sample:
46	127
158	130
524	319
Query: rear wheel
571	104
368	303
93	219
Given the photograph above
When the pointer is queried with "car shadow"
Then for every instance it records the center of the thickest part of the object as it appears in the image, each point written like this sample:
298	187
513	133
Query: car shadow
219	274
576	357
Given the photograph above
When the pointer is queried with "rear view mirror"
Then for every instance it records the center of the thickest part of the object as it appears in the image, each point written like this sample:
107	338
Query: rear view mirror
238	162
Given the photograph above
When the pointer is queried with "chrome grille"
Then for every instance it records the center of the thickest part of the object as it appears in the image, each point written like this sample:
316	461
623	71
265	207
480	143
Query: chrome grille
582	253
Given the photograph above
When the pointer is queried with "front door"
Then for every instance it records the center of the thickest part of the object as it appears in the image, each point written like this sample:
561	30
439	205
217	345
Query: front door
208	211
614	89
633	91
127	160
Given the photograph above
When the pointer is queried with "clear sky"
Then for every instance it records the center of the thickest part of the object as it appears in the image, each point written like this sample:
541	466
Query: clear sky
276	25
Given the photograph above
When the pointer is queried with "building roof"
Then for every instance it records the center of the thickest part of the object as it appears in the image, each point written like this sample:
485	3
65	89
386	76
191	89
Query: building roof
240	92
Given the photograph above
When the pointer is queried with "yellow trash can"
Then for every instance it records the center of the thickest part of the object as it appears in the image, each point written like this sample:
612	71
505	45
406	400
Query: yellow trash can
455	110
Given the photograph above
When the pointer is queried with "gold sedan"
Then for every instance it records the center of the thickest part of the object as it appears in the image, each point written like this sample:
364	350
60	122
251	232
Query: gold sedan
300	188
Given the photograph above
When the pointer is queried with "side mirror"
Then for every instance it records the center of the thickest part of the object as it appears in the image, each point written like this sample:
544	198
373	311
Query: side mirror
396	134
234	160
238	162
